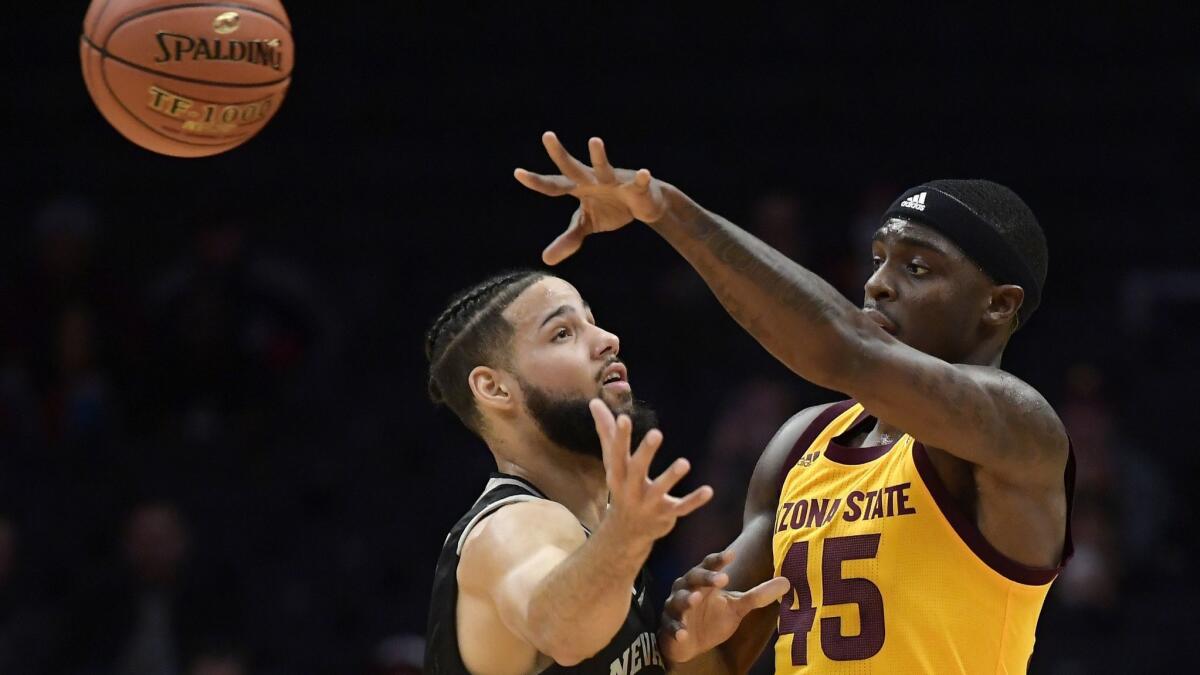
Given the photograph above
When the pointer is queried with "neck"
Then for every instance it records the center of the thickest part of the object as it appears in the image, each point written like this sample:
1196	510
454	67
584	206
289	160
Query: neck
986	354
576	481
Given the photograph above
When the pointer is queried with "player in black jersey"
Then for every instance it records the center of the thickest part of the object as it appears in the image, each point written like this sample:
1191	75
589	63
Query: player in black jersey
545	572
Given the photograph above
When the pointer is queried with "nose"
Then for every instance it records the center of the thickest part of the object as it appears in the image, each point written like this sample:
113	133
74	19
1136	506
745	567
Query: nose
607	344
879	285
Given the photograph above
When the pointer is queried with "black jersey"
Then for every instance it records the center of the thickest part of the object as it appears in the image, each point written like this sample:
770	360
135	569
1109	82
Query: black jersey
634	649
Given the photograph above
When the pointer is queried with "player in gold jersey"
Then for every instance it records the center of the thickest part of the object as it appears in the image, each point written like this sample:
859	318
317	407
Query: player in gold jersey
919	523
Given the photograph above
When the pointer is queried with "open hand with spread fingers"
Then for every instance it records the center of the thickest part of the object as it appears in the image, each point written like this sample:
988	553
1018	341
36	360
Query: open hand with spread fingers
608	198
640	508
700	614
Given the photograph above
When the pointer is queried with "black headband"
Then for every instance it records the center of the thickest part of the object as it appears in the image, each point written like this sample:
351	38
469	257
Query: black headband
974	235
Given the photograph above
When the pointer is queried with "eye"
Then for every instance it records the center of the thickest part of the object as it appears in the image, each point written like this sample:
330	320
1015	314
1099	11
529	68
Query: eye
562	333
916	270
876	262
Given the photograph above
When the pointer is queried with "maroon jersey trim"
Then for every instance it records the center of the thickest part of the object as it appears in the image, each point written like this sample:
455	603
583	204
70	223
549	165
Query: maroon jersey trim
802	444
969	532
845	454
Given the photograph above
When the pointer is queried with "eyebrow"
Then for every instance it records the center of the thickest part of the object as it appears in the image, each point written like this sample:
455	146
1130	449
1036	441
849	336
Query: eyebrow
914	240
562	309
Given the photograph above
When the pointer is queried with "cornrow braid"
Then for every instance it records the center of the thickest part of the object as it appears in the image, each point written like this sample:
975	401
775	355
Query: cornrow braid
468	333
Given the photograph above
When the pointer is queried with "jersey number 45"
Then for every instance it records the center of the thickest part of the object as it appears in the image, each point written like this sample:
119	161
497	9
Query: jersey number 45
797	620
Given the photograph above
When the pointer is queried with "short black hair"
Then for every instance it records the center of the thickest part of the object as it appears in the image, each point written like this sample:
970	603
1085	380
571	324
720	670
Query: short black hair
470	332
1008	214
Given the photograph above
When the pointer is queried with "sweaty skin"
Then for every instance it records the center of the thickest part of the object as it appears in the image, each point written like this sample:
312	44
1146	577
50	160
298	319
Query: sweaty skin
922	356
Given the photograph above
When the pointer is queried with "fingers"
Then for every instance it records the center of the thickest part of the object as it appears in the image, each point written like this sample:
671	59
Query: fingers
764	594
679	602
699	577
570	241
606	429
639	464
671	477
642	179
604	170
718	561
702	574
551	186
571	167
697	498
673	626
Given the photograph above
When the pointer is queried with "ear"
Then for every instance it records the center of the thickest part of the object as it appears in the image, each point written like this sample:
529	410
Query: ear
1003	304
491	389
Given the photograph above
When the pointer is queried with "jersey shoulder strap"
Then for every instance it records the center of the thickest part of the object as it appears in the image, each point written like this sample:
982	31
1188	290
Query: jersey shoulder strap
500	491
809	435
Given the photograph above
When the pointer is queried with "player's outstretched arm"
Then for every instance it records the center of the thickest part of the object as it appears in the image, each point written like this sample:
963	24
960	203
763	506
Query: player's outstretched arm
980	414
565	594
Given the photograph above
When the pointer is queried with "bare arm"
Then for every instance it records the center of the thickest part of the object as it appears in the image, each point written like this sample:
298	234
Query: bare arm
978	414
746	564
564	596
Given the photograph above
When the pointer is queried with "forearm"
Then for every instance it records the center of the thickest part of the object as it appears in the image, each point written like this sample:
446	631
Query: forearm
797	316
708	663
581	604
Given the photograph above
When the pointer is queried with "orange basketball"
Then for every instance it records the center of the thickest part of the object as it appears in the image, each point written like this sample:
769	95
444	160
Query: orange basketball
187	78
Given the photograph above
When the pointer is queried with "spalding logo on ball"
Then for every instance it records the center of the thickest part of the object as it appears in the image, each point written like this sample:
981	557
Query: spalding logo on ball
187	78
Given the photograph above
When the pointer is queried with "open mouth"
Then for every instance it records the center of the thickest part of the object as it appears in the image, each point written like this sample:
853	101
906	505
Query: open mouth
615	377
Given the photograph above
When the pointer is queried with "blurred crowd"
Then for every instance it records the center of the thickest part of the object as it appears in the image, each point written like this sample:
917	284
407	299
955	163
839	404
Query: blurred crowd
207	469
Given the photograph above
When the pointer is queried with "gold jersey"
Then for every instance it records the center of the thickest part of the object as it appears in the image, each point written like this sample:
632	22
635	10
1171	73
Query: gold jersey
888	576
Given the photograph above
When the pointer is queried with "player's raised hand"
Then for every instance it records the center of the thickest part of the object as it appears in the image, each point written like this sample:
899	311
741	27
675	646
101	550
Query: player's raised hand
641	508
608	198
700	614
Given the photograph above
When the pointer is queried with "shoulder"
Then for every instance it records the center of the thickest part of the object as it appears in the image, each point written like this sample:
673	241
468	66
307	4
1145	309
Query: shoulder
764	484
1025	424
514	534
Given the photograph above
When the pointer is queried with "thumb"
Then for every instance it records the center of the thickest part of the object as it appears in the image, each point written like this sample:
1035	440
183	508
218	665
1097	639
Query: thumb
648	200
567	243
764	594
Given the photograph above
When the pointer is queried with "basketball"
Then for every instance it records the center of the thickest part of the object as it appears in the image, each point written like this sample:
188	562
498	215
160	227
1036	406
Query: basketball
187	79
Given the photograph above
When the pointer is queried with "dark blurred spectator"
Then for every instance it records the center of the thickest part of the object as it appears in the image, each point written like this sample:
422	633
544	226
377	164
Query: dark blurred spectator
154	610
219	661
78	405
747	419
27	621
237	334
69	320
1091	582
399	655
1122	500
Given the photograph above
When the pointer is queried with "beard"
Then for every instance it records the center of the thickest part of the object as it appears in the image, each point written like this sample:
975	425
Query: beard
568	423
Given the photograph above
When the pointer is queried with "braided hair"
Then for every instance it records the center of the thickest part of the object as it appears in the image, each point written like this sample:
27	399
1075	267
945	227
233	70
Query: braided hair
468	333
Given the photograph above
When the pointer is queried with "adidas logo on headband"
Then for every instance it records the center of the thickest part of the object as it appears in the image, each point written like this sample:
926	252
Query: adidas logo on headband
916	202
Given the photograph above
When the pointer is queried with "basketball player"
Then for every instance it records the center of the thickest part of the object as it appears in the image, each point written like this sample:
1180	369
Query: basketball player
545	572
922	521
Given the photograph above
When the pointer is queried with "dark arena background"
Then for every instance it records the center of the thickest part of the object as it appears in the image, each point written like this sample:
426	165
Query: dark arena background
211	370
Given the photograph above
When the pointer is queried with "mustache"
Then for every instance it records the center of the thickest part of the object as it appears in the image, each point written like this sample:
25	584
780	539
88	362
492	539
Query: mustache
611	360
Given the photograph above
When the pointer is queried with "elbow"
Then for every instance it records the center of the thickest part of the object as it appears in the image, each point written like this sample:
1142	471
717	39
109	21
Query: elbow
567	653
569	659
566	645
